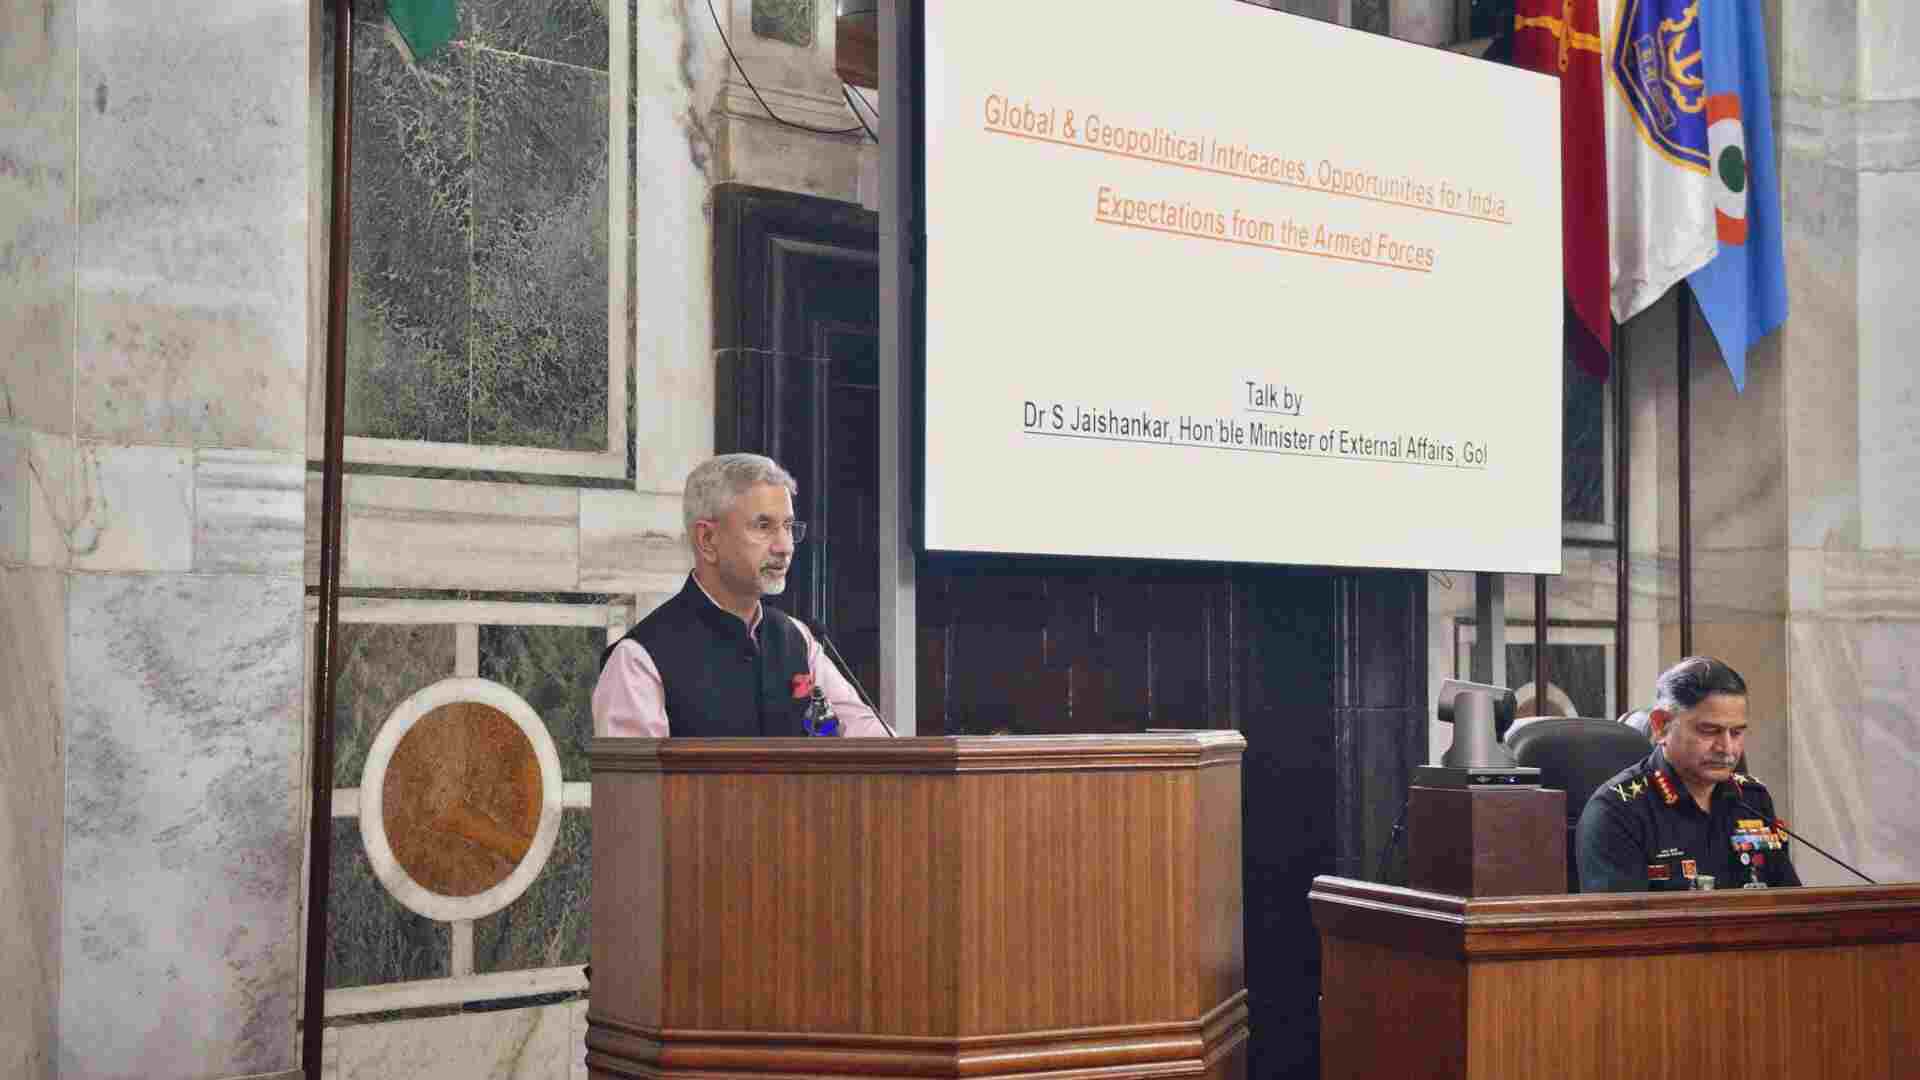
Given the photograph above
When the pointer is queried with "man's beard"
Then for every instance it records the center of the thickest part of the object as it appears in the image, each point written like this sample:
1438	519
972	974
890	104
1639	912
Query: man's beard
773	582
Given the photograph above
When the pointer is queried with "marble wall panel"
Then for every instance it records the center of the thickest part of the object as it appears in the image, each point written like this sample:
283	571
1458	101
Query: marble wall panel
539	319
1889	385
1758	651
1859	585
409	305
773	156
57	520
1855	754
16	489
37	85
1890	42
565	31
380	666
1821	411
548	925
403	532
249	512
33	647
1821	341
371	939
1739	463
179	943
1810	62
678	73
632	542
514	1044
1745	585
191	321
1886	133
137	503
555	669
1647	345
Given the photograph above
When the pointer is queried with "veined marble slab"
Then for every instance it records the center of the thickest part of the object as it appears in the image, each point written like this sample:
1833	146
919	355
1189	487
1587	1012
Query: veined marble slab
1855	751
37	89
16	487
33	646
632	542
55	523
1739	585
137	504
1888	321
249	512
180	932
679	70
1856	585
403	532
192	126
513	1044
765	154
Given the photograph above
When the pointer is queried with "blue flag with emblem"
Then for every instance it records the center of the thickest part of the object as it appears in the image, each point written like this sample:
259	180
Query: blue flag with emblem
1743	291
1659	191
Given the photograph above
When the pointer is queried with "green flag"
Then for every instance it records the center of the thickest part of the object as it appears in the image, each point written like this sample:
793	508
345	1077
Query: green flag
426	24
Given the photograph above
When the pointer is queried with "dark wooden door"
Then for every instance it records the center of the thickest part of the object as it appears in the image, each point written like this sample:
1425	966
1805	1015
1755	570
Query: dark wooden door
1323	672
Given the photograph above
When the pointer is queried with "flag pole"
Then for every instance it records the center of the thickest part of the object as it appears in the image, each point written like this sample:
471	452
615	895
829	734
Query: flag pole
1622	554
1685	427
327	627
1540	645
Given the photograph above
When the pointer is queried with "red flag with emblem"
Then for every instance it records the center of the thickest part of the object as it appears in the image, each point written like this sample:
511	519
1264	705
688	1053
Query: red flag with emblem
1562	38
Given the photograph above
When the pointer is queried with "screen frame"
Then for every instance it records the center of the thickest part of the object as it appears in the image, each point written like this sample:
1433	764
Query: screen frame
904	156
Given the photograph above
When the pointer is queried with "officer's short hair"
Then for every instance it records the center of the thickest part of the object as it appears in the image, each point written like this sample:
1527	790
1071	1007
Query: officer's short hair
1691	681
716	482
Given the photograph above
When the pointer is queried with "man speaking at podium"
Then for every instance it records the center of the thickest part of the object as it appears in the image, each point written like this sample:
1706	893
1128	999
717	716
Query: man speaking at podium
714	660
1683	816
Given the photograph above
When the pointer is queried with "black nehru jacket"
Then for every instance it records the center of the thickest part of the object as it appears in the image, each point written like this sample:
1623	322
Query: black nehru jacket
1642	831
720	680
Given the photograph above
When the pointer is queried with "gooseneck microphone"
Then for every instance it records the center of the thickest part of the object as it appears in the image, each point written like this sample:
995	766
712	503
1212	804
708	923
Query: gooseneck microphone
846	670
1776	823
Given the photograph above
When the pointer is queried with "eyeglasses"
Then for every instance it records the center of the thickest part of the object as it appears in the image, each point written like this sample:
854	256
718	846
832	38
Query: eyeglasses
763	530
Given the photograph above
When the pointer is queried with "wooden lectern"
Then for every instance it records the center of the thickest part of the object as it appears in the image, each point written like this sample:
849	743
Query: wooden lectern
1761	983
936	907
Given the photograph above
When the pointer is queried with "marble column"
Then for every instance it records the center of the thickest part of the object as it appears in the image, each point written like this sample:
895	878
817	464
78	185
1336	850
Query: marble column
1850	165
37	191
153	216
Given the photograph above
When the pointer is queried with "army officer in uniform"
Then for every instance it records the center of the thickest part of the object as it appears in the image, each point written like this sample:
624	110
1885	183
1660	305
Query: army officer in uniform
1684	813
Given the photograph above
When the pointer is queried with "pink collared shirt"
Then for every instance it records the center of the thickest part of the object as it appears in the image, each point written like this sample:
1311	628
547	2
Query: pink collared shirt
630	699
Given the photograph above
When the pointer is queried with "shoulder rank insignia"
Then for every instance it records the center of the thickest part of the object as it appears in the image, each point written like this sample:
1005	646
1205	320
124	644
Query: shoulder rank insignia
1660	781
1630	790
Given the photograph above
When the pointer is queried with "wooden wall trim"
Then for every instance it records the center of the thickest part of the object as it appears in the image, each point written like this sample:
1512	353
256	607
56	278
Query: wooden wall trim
947	754
1169	1049
1624	923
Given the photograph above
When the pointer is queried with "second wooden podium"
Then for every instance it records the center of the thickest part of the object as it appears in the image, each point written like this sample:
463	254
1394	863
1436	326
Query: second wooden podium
918	907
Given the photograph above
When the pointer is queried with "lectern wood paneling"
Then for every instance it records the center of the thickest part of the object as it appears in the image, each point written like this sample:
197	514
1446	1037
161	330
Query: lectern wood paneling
1762	983
1058	905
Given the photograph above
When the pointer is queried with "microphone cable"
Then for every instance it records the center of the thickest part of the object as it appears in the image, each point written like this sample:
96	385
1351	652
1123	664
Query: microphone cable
846	670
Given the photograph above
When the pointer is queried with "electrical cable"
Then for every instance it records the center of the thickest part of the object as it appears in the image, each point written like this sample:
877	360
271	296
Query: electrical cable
763	101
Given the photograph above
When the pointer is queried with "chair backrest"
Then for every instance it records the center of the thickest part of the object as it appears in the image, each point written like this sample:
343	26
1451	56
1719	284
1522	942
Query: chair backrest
1576	754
